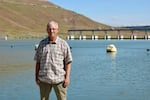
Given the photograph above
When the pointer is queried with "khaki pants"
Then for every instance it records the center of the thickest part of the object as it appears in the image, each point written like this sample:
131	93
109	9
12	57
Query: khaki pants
46	88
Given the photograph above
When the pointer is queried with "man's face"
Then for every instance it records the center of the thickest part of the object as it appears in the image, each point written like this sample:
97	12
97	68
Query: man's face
52	31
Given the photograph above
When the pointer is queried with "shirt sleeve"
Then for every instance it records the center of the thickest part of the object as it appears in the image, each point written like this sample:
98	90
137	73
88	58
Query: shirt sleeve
68	56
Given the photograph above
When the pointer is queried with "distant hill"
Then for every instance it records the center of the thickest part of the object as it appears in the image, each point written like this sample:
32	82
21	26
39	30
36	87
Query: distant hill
31	16
138	27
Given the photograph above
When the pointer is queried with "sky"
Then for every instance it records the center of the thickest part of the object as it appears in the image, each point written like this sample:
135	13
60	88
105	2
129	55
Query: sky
110	12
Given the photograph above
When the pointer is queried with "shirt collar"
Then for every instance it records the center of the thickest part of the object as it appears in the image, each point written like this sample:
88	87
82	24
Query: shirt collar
52	42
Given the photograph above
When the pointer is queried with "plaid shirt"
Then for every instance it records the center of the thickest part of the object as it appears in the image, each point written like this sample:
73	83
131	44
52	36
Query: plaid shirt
52	58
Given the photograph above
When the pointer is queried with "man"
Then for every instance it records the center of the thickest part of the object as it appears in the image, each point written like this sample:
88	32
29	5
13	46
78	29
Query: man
53	64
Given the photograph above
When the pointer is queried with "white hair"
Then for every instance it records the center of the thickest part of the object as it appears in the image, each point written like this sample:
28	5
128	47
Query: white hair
52	23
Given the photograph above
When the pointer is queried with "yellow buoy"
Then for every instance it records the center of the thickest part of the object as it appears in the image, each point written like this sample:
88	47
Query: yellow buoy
111	48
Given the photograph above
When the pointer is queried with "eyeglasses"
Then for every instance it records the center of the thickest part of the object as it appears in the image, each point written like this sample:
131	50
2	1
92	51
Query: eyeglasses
51	29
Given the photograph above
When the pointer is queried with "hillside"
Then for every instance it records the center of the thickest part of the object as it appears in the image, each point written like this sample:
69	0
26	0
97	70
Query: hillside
31	17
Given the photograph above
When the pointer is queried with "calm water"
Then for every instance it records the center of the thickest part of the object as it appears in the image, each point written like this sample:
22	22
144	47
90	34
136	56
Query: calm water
96	75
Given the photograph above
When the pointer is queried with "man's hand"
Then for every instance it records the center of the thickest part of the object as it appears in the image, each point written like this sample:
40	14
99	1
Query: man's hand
66	82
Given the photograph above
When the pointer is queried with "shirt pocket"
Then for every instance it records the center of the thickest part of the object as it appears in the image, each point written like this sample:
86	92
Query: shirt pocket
59	56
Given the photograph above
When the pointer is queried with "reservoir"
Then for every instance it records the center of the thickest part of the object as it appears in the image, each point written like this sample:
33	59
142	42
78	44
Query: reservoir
95	74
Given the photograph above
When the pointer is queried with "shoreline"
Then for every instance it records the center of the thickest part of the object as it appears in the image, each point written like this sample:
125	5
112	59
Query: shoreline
26	36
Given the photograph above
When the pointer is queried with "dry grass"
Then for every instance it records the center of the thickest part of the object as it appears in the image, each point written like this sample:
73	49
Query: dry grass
31	17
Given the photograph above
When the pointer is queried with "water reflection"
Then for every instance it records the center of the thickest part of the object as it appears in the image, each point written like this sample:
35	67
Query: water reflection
112	56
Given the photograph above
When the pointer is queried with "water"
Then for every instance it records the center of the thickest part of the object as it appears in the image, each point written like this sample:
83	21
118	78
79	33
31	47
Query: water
95	75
